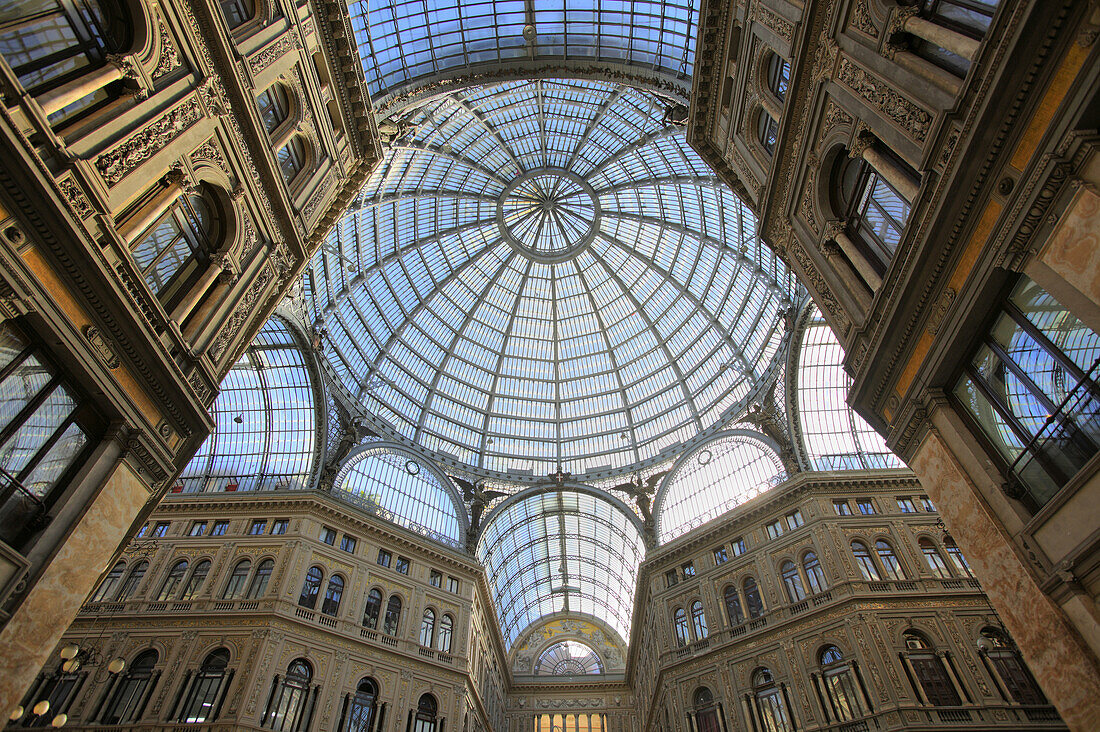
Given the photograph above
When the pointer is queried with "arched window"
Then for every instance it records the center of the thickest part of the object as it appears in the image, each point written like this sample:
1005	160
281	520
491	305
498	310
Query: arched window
274	106
815	576
335	590
770	704
568	658
292	158
235	586
311	587
201	703
237	12
425	714
132	691
132	580
51	43
930	672
372	609
393	616
866	564
427	628
698	620
891	567
680	623
706	711
957	558
286	710
875	212
935	561
110	583
792	582
733	606
172	581
196	580
446	629
362	707
753	601
767	130
172	252
258	588
840	686
1014	675
779	75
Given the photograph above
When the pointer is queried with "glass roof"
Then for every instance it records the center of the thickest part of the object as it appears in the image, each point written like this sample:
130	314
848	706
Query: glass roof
836	438
409	43
543	275
714	479
561	551
399	489
264	429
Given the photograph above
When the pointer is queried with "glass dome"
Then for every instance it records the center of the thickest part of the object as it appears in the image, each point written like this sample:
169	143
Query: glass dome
542	275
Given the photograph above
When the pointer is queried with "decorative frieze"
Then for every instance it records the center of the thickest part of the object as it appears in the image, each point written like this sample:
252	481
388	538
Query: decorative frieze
913	120
169	57
268	55
775	22
860	18
119	161
75	197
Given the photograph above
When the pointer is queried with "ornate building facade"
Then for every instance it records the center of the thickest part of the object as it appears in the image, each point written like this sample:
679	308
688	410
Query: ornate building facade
168	169
832	602
929	172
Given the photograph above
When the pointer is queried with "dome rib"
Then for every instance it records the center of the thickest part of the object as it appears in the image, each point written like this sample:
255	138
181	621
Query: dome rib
657	336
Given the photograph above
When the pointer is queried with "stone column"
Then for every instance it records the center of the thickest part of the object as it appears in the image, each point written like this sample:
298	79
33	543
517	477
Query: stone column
133	227
848	277
218	265
60	97
946	39
836	230
953	473
893	173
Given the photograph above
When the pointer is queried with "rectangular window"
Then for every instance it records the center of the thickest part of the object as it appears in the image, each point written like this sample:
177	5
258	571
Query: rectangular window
905	505
160	529
328	535
738	546
258	527
774	529
280	526
384	557
347	543
197	529
671	578
721	555
402	565
794	520
44	433
866	506
1031	389
927	505
435	579
452	584
219	528
142	531
842	508
688	569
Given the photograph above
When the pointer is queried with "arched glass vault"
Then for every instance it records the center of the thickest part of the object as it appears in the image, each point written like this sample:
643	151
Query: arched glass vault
265	421
561	551
543	275
406	44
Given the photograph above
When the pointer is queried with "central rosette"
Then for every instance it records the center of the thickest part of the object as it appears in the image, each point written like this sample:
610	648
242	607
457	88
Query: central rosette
550	213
